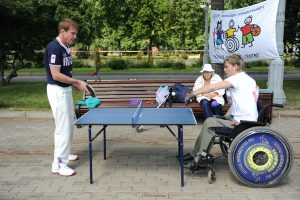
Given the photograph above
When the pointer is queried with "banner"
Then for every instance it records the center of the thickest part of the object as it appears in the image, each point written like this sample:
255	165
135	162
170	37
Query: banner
249	31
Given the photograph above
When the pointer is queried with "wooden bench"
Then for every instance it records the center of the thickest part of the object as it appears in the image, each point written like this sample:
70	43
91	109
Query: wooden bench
118	93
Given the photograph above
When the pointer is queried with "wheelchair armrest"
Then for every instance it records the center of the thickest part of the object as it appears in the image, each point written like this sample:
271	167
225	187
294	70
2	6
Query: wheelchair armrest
223	131
254	123
225	117
219	116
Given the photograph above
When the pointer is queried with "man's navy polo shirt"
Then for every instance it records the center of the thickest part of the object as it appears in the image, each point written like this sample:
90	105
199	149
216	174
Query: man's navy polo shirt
59	55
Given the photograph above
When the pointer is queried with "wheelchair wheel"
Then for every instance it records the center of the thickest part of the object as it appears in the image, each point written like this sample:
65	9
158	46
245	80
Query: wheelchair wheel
260	157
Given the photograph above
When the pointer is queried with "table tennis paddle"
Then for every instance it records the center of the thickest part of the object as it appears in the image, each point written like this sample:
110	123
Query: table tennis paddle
91	90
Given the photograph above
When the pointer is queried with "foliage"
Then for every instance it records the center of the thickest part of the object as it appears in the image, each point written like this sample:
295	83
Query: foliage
18	41
292	30
233	4
257	63
140	65
88	14
28	25
117	64
171	64
296	62
77	63
116	14
178	65
164	64
187	21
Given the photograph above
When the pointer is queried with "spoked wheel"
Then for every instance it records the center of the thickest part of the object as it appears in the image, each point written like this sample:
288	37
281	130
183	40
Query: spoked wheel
260	157
211	176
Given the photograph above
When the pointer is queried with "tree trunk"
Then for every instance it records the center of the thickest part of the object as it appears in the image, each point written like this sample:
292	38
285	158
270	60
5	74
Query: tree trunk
2	62
150	56
97	63
119	48
182	40
11	75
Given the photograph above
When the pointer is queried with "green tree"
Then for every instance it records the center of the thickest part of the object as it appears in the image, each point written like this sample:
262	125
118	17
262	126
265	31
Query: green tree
187	21
116	15
234	4
292	27
26	26
149	20
88	14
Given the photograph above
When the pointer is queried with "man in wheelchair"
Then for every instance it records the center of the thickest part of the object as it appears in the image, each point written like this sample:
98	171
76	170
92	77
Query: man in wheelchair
244	94
258	156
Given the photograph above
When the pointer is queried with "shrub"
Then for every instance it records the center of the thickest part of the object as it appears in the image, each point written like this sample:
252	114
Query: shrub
296	62
139	56
164	64
256	64
178	65
117	64
198	63
184	56
80	64
141	65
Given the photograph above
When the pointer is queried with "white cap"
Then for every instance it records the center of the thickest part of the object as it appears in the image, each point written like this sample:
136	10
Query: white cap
208	68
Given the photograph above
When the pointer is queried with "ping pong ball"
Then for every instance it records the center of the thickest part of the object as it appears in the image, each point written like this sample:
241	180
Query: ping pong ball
173	93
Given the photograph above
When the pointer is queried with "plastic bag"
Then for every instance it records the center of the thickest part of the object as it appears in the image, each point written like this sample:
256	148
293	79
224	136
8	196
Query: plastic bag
162	94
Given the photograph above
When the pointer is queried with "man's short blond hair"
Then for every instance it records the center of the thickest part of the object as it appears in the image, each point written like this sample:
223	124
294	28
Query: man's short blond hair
235	59
66	24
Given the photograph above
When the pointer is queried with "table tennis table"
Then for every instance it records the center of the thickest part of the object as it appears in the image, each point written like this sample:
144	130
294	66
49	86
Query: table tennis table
136	117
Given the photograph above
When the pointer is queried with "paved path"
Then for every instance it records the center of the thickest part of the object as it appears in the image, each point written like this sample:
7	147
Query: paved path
139	165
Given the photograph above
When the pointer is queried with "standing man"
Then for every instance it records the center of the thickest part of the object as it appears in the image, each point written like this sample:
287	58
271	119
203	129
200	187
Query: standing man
58	64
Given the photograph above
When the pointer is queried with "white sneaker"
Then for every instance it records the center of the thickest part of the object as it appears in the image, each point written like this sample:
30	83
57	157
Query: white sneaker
63	170
73	157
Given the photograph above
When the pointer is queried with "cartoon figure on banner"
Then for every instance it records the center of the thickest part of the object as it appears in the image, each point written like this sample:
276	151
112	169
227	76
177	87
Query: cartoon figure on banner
220	35
248	31
231	42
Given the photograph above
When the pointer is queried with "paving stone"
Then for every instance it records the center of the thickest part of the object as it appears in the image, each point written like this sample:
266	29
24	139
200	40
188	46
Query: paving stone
138	166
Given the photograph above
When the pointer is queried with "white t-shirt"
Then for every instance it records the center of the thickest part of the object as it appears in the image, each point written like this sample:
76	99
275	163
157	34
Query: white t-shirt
243	93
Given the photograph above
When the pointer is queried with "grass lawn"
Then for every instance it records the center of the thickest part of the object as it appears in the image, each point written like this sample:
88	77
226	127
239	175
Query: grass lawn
26	96
32	96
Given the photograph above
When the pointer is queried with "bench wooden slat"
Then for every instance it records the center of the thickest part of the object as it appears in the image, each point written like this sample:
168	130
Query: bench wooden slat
119	93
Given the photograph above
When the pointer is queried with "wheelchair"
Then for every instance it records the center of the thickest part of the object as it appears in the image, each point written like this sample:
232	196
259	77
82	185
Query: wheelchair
258	156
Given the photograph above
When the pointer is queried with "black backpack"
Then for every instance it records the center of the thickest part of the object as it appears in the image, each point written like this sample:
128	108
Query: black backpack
178	92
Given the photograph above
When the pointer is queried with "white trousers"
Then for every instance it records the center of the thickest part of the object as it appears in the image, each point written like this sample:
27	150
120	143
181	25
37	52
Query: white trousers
61	102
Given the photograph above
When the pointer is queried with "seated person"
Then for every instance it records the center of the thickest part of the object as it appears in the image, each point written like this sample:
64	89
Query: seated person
244	94
211	102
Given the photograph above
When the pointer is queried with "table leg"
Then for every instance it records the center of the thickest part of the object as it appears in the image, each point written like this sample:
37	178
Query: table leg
90	154
104	141
180	143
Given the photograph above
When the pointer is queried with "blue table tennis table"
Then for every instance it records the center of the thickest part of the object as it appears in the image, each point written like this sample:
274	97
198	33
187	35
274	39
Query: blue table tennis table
135	117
